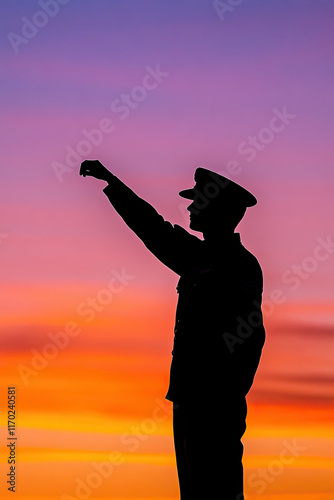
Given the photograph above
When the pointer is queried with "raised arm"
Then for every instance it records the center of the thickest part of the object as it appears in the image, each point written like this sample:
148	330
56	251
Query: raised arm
172	245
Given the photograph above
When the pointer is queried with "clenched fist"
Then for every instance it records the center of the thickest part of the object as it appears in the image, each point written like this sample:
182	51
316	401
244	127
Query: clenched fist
94	168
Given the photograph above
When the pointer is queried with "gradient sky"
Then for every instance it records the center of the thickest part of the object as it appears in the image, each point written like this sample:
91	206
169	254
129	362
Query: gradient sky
225	81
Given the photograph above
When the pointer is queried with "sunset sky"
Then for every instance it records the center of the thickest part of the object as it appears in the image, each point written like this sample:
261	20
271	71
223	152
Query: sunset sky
154	89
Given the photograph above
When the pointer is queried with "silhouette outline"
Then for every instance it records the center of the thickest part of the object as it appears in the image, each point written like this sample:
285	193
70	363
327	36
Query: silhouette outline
219	332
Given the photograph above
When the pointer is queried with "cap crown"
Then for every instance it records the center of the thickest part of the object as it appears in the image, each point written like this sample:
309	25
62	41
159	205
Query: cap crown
218	187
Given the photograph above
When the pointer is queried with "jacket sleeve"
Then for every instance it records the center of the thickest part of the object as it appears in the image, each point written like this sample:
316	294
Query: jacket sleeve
172	245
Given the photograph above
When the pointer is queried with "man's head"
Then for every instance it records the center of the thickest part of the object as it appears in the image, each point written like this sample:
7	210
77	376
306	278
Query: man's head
218	202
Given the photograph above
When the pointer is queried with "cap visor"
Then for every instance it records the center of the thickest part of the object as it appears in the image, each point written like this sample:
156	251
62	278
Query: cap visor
187	193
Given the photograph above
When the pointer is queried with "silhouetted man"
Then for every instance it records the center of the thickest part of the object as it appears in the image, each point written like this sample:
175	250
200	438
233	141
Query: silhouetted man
219	331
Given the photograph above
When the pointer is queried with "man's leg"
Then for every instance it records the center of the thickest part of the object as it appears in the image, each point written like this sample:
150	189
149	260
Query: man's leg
180	452
213	451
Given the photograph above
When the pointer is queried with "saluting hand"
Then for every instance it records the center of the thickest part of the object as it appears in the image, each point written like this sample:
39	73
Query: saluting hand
94	168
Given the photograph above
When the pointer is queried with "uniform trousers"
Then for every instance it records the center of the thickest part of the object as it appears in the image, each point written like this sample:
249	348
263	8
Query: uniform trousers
208	449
